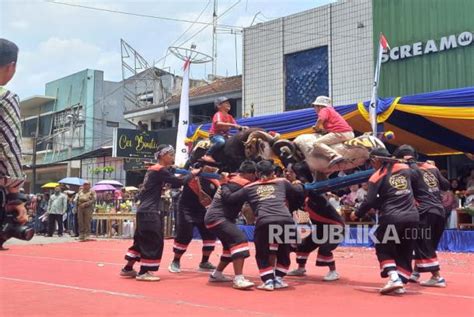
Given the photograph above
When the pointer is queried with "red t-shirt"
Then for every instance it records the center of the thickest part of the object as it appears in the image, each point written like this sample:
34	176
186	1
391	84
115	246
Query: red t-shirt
333	121
221	117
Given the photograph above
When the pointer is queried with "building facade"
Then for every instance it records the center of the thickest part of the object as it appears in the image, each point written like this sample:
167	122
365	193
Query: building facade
322	51
331	50
432	45
201	104
76	116
163	117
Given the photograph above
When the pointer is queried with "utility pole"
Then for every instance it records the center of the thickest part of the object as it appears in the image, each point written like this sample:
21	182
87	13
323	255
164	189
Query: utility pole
35	145
235	46
71	116
214	40
33	163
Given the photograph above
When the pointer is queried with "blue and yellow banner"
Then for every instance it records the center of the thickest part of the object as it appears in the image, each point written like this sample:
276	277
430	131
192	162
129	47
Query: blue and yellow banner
436	123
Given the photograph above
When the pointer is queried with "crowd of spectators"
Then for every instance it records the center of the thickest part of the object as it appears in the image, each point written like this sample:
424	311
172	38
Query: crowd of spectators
39	207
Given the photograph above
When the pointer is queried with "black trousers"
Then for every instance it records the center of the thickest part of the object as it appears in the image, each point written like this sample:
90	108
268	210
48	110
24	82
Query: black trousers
325	256
52	220
396	255
431	229
234	241
76	225
148	241
184	234
264	249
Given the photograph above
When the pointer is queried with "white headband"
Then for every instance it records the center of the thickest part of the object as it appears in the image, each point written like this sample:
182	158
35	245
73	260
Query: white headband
167	149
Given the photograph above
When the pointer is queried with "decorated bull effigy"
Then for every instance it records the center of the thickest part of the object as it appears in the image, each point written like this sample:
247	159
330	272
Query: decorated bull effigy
436	123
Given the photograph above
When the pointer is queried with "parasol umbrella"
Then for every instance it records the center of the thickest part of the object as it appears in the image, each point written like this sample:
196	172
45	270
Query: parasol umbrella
50	185
131	189
110	182
103	187
72	181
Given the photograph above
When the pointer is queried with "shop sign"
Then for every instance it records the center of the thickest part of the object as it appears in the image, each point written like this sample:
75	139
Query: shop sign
432	46
135	143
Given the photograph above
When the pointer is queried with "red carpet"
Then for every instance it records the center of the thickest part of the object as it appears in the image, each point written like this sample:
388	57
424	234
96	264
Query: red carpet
81	279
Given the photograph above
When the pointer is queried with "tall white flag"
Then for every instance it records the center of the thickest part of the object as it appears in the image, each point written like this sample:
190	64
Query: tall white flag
181	148
383	45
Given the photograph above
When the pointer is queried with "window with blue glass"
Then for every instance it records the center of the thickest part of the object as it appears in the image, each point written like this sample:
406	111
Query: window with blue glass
307	77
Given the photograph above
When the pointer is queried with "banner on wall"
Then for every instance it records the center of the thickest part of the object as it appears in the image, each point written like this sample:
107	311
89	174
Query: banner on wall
131	143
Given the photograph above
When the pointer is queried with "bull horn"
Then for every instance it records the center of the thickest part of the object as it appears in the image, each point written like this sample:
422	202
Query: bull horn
287	147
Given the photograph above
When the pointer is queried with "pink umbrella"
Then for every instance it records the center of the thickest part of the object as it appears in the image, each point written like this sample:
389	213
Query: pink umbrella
110	182
103	188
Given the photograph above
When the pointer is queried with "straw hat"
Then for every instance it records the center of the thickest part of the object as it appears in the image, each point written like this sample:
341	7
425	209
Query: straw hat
322	101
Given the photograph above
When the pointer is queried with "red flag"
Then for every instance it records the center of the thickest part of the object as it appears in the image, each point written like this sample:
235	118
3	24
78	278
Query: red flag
186	63
384	42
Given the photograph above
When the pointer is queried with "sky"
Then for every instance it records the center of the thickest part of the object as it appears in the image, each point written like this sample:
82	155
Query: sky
57	40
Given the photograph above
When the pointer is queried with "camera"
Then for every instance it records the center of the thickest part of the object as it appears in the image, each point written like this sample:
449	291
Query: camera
12	229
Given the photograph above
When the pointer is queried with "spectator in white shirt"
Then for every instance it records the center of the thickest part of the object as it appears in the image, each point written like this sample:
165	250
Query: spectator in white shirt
56	208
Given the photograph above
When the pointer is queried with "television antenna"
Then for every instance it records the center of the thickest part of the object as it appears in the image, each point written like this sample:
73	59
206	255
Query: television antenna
190	54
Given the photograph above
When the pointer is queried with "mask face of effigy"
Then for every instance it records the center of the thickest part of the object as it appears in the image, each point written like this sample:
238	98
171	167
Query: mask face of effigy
251	148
